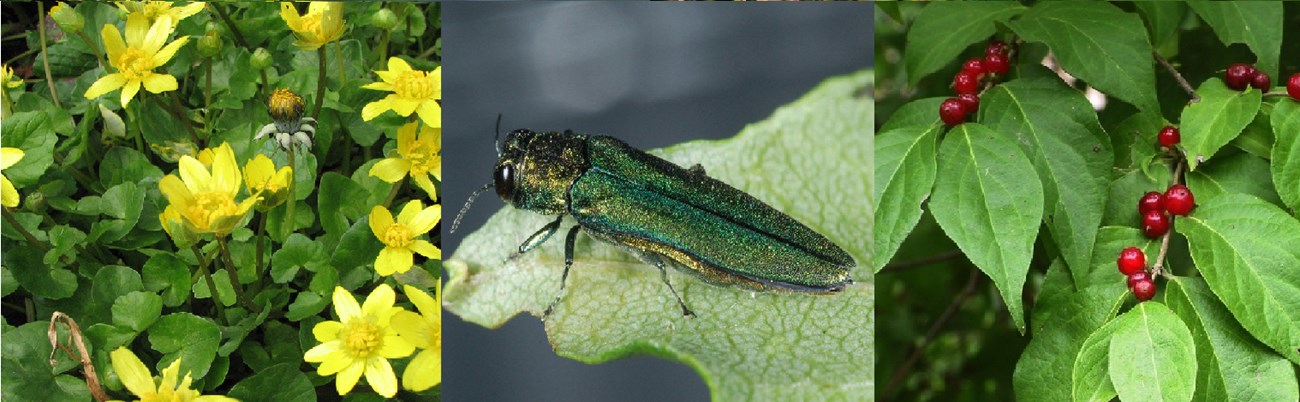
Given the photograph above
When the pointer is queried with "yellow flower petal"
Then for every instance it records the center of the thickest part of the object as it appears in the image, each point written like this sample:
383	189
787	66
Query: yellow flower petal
335	363
380	376
326	331
379	86
159	83
393	260
113	44
390	170
404	107
320	352
128	91
397	65
225	171
425	219
174	190
345	305
165	55
422	180
347	379
395	346
157	35
387	77
137	27
411	327
430	113
406	138
376	108
132	372
422	301
426	249
380	220
10	156
8	194
424	372
170	374
186	11
379	300
290	16
105	84
412	208
195	175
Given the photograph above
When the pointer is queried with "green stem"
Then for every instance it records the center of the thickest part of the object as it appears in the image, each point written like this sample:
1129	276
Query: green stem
261	236
383	48
392	194
133	114
293	195
320	84
207	98
93	48
9	216
45	56
239	36
234	277
212	285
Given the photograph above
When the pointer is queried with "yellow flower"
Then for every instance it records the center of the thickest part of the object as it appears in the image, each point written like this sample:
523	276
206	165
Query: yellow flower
205	201
135	59
413	91
8	157
400	237
154	9
8	79
361	341
137	379
423	330
322	24
420	156
262	179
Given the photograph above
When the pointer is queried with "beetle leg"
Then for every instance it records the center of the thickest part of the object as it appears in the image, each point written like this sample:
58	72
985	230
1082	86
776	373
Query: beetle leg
569	240
664	275
536	239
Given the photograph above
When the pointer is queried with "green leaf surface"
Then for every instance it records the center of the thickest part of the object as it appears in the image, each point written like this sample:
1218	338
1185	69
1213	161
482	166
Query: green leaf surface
1163	20
357	248
225	290
806	160
1098	43
137	310
1057	128
1090	378
126	165
1257	137
36	277
988	199
307	304
27	375
1152	356
1239	173
920	112
123	204
31	132
1258	24
1215	120
187	337
339	207
1286	152
296	252
1231	365
944	29
1248	250
1125	192
906	161
278	383
1062	319
166	273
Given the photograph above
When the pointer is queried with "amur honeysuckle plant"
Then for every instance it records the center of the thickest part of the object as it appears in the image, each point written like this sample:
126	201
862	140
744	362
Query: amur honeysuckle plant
1032	149
196	195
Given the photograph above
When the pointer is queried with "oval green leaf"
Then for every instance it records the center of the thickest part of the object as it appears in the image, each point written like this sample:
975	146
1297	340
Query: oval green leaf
1152	356
1286	152
905	169
944	29
1215	120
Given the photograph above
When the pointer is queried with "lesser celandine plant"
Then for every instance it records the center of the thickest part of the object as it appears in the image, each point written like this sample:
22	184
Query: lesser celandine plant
156	236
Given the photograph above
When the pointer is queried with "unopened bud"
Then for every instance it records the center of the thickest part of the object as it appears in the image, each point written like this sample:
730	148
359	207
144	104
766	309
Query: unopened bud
67	18
384	19
261	59
210	44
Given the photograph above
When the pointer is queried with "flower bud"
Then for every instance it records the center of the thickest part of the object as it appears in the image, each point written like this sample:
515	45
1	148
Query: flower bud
67	18
261	59
384	19
210	44
35	202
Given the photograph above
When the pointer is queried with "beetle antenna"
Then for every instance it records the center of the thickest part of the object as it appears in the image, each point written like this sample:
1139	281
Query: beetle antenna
497	141
464	209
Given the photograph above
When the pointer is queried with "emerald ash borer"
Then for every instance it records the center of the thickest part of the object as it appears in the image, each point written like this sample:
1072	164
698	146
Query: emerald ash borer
662	213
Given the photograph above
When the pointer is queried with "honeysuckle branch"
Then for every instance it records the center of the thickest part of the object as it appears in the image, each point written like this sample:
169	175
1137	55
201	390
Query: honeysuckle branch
1159	268
45	56
901	373
1182	82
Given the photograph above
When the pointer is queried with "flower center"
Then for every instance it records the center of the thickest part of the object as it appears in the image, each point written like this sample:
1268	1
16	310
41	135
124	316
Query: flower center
209	205
423	157
397	235
134	63
311	23
361	338
285	106
413	85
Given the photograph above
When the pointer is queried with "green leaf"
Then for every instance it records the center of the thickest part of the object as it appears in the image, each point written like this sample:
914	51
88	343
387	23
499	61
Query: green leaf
31	132
1231	365
225	290
1062	320
112	282
166	273
1286	152
137	310
1258	24
1219	117
1057	128
35	276
1124	194
1153	357
296	252
1110	241
339	206
126	165
1233	174
306	305
989	201
1098	43
358	247
1091	366
278	383
905	169
27	374
187	337
1257	137
780	345
944	29
8	284
920	112
1248	250
123	203
1163	20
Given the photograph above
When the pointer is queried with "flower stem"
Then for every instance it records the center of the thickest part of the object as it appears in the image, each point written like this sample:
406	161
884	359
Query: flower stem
212	285
393	193
239	36
134	115
207	97
45	55
293	194
9	217
234	277
98	56
179	112
320	84
261	236
383	47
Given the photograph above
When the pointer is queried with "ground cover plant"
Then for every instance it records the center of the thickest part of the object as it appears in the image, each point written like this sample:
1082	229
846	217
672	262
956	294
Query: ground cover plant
221	201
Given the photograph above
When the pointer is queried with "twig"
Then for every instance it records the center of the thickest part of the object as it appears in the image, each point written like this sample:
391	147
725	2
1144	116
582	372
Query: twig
74	335
1191	92
45	55
1159	268
920	262
900	374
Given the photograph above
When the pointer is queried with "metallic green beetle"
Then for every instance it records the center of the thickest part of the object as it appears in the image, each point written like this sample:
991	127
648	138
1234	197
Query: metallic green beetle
660	212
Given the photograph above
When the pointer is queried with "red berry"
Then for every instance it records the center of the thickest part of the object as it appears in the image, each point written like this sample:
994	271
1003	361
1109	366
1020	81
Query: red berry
973	66
1136	277
1131	260
1293	86
997	63
1151	201
971	102
1155	223
1238	76
952	112
1261	81
965	83
1168	136
1144	289
995	47
1179	200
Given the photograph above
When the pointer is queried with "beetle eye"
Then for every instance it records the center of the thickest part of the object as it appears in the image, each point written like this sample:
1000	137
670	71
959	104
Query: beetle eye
504	181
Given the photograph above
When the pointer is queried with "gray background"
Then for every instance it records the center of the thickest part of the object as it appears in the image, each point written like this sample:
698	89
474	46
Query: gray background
652	74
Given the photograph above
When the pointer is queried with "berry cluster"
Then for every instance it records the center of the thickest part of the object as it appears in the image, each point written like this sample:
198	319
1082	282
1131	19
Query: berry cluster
995	63
1133	264
1156	210
1239	75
